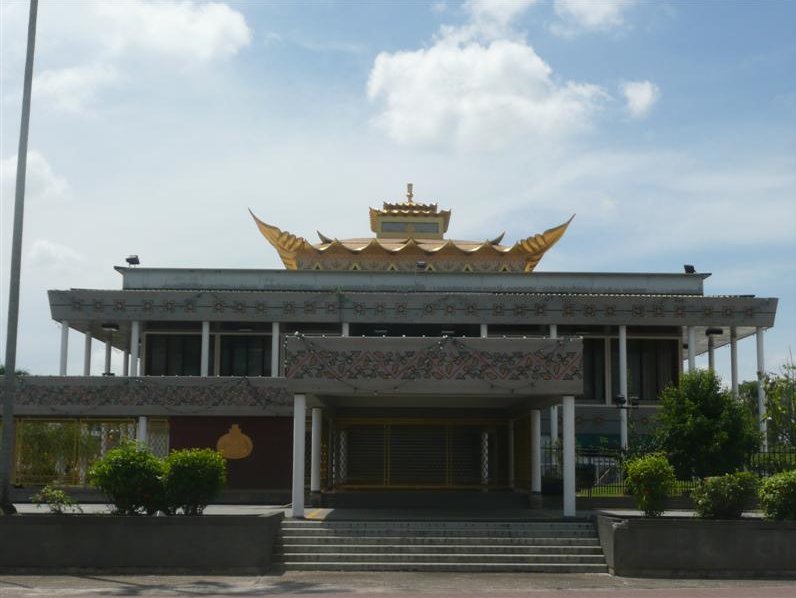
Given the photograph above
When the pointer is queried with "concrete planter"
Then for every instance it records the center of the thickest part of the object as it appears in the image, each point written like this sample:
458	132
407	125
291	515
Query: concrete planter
680	547
230	544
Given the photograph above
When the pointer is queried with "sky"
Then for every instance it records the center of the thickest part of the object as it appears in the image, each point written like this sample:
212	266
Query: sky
669	128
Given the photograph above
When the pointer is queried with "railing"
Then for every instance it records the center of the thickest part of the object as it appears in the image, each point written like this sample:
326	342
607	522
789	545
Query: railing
600	472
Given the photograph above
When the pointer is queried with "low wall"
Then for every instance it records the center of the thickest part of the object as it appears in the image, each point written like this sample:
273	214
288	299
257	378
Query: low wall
229	544
678	547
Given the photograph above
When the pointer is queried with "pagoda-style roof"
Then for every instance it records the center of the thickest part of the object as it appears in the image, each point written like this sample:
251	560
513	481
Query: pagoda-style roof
409	237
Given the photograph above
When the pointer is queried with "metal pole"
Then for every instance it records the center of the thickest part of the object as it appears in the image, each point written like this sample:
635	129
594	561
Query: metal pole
13	286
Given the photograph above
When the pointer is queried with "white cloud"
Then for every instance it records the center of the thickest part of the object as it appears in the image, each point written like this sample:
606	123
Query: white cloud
475	88
46	254
73	89
501	12
579	16
41	183
185	29
640	97
84	48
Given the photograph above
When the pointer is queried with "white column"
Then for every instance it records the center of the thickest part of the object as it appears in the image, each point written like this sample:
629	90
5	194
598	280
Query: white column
554	409
536	451
711	353
142	433
299	415
108	351
569	456
87	354
135	335
761	390
126	364
204	368
691	348
345	329
623	385
64	347
275	350
511	454
315	454
734	361
484	330
484	458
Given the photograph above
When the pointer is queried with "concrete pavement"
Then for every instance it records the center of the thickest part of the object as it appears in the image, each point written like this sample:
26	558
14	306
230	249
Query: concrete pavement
385	585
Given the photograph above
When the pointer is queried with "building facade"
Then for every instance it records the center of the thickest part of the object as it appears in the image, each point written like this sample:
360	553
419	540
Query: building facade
402	361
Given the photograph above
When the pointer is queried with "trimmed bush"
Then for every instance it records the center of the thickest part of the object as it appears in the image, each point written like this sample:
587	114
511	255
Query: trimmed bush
650	480
194	477
131	477
725	497
778	496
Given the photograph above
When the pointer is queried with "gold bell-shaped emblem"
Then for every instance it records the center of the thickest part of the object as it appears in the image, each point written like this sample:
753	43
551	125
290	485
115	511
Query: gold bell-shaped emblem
235	444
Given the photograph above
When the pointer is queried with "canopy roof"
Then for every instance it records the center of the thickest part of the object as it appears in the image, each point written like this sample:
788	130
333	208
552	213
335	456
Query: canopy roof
409	237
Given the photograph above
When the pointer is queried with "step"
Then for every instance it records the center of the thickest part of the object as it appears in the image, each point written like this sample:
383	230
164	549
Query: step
475	557
432	540
437	533
451	567
439	549
346	524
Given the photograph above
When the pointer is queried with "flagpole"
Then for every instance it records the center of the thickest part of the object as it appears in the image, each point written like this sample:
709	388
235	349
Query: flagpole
7	453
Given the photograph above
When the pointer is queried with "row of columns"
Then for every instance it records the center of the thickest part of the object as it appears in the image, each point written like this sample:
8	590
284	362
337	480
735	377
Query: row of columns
761	370
568	440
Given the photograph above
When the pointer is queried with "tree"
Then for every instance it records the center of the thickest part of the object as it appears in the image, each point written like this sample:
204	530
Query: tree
780	405
19	372
703	429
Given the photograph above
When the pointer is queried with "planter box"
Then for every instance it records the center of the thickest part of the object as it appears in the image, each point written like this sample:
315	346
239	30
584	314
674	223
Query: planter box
230	544
679	547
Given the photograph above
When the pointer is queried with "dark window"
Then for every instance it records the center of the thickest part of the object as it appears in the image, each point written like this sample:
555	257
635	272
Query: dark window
652	365
594	369
246	355
426	227
173	354
393	227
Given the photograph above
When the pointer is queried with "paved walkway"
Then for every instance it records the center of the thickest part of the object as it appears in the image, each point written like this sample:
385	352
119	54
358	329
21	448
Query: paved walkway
386	585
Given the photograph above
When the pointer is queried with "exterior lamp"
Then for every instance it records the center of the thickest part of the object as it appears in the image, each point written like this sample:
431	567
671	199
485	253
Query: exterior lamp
689	269
110	327
132	260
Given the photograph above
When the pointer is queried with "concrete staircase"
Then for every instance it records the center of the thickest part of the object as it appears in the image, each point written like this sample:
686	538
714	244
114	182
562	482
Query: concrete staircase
433	545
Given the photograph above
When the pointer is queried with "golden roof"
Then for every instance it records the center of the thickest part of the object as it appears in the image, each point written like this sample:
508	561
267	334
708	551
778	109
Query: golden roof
410	249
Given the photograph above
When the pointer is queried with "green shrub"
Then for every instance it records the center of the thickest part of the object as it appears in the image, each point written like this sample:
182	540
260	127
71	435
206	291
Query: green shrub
725	497
56	499
703	429
650	480
194	477
778	496
131	478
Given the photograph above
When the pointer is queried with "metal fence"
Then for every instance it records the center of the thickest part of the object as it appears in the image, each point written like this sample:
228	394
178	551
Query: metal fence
62	450
600	472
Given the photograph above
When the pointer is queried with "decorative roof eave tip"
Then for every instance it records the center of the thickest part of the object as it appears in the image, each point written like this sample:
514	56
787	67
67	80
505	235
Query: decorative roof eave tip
537	245
285	243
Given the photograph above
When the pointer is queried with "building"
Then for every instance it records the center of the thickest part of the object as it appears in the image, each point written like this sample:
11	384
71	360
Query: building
419	362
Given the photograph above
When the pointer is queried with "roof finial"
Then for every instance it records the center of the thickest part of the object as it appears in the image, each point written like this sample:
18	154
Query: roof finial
409	194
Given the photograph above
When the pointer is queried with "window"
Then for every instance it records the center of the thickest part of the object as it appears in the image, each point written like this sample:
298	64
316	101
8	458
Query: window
173	354
594	369
393	227
652	364
245	355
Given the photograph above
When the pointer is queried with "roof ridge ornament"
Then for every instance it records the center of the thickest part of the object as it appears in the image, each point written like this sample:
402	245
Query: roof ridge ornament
409	193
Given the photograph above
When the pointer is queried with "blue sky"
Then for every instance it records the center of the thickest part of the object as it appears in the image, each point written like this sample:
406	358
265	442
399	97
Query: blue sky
669	128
